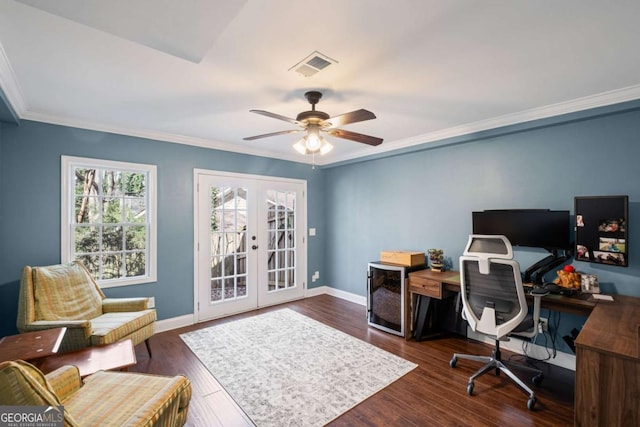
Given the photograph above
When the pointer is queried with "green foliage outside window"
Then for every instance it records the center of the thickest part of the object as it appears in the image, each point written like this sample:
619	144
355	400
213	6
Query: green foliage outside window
111	222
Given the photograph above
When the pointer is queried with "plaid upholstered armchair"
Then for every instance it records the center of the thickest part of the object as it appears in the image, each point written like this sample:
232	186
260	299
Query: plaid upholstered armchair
104	399
65	295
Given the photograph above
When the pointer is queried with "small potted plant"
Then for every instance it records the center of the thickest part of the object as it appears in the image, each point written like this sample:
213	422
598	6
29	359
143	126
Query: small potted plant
436	259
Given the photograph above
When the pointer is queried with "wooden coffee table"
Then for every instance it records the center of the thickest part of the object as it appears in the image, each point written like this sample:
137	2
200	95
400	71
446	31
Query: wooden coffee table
31	345
119	355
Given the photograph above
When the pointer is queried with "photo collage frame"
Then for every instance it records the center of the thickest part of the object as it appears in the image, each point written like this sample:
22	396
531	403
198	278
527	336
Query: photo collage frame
602	229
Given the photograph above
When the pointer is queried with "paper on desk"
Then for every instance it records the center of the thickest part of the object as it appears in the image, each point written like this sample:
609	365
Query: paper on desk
603	297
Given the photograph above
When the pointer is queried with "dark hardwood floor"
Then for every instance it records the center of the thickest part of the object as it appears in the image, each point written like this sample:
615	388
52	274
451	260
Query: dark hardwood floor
433	394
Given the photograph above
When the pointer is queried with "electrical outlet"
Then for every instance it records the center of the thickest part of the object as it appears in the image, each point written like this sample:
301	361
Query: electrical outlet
543	325
151	302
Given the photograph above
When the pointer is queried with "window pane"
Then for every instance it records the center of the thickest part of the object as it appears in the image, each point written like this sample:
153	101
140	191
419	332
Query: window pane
85	181
271	279
112	238
229	288
136	264
112	266
281	279
111	183
135	210
135	184
111	210
136	237
216	290
86	239
92	263
242	286
291	278
86	210
216	266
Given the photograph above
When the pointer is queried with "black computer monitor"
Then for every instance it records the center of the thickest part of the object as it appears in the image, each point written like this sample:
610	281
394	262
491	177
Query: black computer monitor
535	228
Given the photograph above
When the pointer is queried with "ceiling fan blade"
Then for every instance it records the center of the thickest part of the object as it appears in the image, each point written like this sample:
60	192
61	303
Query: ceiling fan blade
347	118
277	116
353	136
266	135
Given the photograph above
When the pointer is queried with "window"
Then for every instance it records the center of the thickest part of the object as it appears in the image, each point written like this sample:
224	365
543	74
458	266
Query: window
109	219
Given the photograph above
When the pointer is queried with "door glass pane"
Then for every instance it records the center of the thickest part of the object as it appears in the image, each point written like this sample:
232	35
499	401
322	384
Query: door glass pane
281	214
227	235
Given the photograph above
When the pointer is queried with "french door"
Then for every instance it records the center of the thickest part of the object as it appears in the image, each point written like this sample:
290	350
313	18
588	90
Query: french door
250	242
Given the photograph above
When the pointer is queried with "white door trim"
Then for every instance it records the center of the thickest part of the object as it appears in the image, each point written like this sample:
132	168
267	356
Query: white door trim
303	228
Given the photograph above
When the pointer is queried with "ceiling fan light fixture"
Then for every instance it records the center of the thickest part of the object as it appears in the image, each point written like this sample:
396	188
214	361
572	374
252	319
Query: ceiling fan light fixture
313	141
299	147
312	144
326	147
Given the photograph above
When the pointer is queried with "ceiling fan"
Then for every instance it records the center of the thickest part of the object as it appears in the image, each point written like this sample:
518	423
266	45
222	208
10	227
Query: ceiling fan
314	122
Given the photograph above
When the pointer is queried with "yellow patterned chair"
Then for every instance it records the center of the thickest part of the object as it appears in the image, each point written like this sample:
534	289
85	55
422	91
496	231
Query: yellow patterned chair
65	295
105	398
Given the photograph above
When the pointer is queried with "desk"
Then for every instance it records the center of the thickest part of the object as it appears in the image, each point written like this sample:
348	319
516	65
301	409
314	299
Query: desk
607	349
440	285
434	284
31	345
608	365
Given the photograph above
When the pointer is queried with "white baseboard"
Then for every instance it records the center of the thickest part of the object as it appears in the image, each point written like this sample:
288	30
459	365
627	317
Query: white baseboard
190	319
174	323
564	360
328	290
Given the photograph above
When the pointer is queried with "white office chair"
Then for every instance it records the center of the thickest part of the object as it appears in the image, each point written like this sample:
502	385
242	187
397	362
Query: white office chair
494	304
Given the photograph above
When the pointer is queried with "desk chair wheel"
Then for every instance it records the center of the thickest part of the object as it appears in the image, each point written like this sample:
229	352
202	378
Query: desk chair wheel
537	380
531	403
453	362
470	388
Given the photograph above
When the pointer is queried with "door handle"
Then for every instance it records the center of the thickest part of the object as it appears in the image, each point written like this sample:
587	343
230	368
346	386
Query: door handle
254	247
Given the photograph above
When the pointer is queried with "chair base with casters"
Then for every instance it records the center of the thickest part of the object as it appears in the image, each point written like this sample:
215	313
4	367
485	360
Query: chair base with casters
495	362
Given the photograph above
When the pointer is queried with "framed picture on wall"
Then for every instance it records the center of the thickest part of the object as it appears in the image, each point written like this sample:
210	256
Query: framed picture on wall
602	229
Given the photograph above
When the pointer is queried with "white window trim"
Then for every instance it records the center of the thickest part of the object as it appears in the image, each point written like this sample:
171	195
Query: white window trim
67	180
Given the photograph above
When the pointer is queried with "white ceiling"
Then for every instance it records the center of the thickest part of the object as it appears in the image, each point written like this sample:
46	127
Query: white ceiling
190	71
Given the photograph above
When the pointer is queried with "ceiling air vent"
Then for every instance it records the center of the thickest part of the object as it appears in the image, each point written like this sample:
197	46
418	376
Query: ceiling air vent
312	64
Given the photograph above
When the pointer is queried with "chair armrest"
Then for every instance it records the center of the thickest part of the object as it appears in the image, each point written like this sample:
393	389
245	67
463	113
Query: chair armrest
41	325
168	407
64	381
111	305
537	304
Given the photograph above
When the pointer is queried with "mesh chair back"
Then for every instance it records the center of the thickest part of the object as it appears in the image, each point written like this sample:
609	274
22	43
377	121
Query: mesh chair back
491	286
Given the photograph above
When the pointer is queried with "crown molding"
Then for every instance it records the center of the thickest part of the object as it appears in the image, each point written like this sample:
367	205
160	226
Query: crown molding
11	88
154	135
9	85
604	99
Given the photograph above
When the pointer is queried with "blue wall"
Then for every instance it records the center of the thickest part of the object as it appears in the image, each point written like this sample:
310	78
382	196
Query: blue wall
30	208
413	200
424	199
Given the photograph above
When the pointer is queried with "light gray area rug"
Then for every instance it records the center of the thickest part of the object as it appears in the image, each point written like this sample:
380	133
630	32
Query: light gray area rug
285	369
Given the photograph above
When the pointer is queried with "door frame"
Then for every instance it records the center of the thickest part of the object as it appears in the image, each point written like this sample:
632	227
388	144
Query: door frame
300	264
